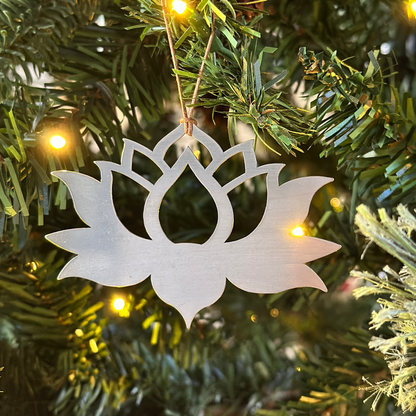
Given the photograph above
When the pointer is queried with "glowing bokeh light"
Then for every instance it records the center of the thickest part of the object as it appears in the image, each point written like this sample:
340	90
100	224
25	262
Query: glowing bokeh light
298	232
337	205
179	6
119	304
335	202
57	142
385	48
274	313
413	6
93	345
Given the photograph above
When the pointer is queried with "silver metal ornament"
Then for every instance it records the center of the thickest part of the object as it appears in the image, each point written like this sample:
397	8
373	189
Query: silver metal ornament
192	276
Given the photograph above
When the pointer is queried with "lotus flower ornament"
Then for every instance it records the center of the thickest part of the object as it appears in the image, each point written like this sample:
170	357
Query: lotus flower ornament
192	276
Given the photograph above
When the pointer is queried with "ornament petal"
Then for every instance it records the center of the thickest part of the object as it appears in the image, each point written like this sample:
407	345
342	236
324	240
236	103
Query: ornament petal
269	278
128	151
288	204
86	193
305	249
273	258
80	266
187	278
105	255
251	252
68	239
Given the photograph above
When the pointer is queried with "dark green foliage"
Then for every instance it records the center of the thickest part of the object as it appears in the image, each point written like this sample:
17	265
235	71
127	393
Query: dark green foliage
232	80
82	102
367	123
38	317
334	379
244	96
352	28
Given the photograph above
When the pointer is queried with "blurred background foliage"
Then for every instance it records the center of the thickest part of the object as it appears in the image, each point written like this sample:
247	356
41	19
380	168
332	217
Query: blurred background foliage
95	72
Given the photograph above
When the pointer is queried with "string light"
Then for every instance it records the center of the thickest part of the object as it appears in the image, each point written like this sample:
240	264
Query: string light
274	313
57	142
298	232
336	204
179	6
118	304
411	9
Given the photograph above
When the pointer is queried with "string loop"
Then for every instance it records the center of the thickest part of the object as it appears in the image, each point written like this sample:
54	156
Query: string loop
187	119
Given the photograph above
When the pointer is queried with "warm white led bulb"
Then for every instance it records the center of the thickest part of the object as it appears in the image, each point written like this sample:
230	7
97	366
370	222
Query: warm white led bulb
179	6
298	232
57	142
335	202
118	304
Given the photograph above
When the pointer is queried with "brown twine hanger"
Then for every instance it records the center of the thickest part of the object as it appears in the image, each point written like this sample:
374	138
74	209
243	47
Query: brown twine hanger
187	118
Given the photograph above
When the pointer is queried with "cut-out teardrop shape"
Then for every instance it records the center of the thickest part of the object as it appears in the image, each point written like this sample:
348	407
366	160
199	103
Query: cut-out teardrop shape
145	167
188	213
129	198
249	204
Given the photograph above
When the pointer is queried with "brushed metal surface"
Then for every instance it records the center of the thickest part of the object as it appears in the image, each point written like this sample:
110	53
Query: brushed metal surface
192	276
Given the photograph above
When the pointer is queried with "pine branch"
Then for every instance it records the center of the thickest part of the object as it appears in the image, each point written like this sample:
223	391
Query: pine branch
334	381
367	124
83	103
232	77
236	86
351	28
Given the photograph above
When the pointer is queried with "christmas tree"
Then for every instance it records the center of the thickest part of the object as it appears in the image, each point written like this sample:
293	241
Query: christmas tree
325	87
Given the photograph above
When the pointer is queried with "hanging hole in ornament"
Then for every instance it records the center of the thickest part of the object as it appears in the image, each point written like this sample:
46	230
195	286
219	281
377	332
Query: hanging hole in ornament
188	213
232	168
249	204
146	167
128	199
198	149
